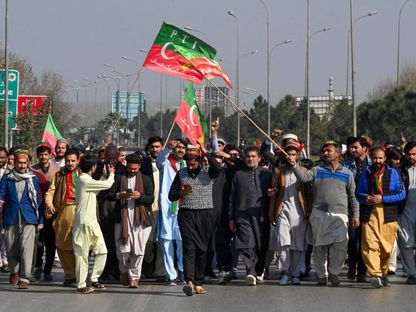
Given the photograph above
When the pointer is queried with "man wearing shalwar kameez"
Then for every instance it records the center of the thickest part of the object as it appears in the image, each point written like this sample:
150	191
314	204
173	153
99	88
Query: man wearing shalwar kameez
193	186
169	162
248	214
134	194
20	201
379	190
333	187
87	235
289	208
60	204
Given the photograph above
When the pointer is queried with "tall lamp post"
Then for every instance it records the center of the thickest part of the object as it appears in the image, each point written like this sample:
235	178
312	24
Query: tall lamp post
198	31
308	104
348	46
105	79
268	64
354	109
284	42
139	107
237	73
6	82
398	45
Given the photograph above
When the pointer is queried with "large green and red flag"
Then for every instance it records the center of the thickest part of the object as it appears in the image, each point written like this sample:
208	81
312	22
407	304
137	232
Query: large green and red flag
51	133
178	53
190	119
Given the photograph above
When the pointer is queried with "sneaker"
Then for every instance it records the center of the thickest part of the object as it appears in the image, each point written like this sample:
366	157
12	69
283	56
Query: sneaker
234	274
390	272
385	281
225	278
322	281
260	278
284	280
38	273
5	269
333	279
376	282
411	280
171	283
47	278
250	280
295	281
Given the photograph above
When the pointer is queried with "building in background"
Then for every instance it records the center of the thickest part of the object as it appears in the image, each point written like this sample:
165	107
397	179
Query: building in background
323	105
128	106
207	97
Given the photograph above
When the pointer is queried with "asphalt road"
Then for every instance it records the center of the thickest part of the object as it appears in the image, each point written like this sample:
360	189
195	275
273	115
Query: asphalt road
269	296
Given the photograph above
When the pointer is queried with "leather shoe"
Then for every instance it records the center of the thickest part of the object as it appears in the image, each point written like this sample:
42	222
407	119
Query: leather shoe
23	285
133	283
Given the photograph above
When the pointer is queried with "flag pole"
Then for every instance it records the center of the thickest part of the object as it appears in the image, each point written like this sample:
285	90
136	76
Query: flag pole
170	132
245	115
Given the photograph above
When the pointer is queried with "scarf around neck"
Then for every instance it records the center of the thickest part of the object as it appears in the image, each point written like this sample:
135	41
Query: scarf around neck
376	183
140	212
27	177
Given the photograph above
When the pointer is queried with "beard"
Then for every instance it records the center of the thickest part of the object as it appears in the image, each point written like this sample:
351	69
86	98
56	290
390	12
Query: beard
377	166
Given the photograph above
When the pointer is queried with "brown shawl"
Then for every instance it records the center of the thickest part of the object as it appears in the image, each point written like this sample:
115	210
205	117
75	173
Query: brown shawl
140	213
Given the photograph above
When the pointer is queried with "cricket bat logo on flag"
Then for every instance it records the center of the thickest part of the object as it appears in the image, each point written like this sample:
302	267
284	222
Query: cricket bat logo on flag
178	53
189	118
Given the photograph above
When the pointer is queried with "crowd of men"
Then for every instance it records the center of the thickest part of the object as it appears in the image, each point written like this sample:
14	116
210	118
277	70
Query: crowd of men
179	213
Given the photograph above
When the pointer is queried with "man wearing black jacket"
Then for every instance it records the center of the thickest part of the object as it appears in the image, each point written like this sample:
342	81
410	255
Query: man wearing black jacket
134	196
153	265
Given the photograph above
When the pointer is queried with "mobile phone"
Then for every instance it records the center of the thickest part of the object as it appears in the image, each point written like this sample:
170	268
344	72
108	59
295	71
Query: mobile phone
129	191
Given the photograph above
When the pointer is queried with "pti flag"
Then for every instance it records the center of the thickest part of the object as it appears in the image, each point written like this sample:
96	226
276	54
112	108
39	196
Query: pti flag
190	119
178	53
51	133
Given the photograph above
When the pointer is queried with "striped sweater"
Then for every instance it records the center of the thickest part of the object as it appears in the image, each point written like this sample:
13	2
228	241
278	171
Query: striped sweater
332	190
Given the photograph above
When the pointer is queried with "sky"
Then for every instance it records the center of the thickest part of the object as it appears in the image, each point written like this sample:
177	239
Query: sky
75	38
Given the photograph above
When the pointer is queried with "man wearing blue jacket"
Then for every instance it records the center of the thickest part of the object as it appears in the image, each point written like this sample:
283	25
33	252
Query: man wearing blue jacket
20	200
379	191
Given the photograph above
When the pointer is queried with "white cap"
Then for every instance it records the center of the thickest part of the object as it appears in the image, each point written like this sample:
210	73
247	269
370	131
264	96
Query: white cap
290	136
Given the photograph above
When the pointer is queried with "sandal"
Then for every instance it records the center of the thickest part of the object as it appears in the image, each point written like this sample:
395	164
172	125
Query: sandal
97	285
85	290
199	290
188	289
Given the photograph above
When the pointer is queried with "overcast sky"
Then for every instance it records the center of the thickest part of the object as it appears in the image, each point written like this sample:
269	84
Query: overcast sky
75	38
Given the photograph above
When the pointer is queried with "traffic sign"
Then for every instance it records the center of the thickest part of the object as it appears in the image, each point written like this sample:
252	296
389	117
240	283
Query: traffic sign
13	94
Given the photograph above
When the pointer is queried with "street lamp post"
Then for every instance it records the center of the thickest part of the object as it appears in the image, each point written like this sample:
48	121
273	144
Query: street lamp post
308	104
268	65
139	107
6	82
348	46
237	74
284	42
398	45
197	31
105	79
354	109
